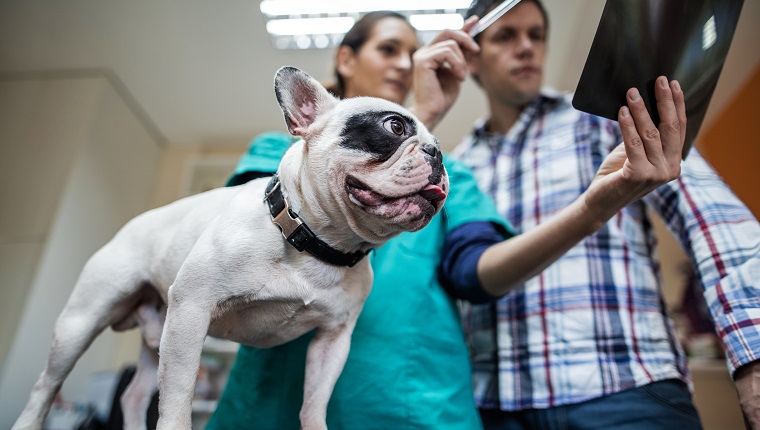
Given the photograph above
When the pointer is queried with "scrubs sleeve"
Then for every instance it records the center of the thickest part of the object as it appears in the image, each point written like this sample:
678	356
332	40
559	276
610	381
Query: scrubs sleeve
473	225
262	158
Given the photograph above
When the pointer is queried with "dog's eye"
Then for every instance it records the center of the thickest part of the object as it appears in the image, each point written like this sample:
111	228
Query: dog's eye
395	126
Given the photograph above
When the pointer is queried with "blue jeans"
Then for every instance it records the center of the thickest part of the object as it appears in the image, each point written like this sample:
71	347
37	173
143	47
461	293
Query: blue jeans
662	405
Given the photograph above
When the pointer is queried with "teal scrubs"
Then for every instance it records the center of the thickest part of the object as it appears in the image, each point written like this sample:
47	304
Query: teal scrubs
264	154
408	367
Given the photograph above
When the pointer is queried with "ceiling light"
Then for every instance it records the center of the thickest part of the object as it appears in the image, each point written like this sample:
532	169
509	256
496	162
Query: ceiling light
436	22
304	26
315	7
324	22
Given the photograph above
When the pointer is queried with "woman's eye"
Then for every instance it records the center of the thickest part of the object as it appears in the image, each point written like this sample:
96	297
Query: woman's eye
395	126
387	49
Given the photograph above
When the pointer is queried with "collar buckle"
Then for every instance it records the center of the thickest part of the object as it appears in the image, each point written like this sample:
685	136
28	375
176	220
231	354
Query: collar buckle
298	234
287	222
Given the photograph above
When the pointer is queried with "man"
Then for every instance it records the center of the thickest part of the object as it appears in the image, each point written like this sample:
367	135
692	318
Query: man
587	343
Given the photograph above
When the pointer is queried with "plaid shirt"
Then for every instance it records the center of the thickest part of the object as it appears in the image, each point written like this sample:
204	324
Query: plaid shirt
594	322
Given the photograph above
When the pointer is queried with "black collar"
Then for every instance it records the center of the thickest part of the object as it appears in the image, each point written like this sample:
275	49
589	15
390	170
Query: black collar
298	234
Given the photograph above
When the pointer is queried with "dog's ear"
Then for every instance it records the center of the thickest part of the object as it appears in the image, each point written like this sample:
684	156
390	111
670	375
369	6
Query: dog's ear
301	98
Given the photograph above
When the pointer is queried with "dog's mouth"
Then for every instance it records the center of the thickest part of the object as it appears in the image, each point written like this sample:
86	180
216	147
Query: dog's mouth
431	195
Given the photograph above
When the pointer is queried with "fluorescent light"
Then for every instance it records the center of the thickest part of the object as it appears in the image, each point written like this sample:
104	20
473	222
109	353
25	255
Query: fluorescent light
312	7
432	22
320	24
302	26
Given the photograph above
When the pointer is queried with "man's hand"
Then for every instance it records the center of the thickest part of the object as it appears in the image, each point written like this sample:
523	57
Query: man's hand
440	68
747	380
650	155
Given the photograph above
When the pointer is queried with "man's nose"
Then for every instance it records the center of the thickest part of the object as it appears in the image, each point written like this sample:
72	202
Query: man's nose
525	45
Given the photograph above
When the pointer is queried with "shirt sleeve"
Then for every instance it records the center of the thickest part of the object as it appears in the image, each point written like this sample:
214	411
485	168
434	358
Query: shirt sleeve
722	238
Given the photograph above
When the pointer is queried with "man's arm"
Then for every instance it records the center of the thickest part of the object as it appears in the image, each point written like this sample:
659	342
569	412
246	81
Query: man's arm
748	387
649	157
722	239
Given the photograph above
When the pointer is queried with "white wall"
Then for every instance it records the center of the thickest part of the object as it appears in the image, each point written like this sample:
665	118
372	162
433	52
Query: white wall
80	164
40	134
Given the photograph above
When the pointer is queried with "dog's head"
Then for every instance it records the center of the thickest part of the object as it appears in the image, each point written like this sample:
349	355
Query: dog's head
378	162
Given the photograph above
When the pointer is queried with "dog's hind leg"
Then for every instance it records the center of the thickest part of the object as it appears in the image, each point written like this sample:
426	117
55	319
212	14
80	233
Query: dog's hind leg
97	301
74	332
150	316
137	397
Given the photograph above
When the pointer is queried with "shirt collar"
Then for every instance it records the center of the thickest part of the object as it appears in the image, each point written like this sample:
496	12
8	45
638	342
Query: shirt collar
548	98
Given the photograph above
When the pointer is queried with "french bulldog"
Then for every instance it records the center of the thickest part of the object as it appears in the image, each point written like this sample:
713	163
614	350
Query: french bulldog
230	262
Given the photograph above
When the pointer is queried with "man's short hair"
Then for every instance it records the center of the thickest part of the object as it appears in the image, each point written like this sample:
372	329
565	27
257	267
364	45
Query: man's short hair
482	7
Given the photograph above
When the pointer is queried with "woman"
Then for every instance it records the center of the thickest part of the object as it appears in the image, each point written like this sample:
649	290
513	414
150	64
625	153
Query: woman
408	365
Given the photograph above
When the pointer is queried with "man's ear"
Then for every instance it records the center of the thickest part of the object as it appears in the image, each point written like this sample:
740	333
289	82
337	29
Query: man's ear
473	66
345	60
301	98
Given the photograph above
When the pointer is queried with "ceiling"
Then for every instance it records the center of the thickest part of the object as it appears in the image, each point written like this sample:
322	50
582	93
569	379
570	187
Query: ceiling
200	72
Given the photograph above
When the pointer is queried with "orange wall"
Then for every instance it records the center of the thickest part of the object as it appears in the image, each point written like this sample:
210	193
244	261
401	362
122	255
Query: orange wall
732	143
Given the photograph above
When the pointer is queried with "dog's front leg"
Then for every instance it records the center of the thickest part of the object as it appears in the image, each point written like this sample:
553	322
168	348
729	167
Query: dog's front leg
325	357
187	322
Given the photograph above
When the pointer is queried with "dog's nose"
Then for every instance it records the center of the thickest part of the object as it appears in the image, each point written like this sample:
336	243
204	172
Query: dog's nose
430	149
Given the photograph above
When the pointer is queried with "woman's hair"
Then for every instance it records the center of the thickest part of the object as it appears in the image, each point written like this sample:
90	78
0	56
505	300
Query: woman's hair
356	37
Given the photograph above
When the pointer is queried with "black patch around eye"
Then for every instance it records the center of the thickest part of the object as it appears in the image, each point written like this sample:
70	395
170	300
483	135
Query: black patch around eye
365	132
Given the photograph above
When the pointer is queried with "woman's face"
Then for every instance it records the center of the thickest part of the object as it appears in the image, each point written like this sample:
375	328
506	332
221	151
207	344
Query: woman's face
383	65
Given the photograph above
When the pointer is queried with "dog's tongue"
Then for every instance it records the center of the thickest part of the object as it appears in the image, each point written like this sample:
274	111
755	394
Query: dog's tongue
433	193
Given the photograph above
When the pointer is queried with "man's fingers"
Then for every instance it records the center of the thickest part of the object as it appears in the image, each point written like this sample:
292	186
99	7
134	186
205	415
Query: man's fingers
671	133
634	147
653	153
647	131
680	100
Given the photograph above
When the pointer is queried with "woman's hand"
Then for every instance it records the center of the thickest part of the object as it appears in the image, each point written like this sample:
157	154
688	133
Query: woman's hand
440	67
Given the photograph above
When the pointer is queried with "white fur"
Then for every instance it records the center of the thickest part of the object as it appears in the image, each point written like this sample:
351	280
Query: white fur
215	264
